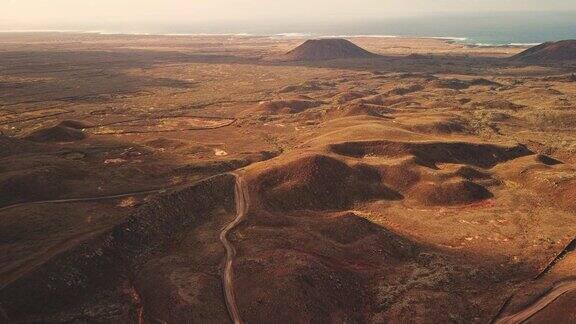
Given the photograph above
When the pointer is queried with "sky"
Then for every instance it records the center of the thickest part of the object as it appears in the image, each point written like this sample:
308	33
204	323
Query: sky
39	12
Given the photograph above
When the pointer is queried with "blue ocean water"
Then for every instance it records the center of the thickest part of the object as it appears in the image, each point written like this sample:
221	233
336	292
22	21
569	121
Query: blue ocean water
486	28
496	29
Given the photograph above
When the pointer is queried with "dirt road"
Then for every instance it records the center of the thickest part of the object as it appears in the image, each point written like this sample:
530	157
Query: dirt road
241	198
86	199
540	304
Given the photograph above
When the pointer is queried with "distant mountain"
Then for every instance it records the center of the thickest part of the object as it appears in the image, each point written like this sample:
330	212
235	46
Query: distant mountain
327	49
549	52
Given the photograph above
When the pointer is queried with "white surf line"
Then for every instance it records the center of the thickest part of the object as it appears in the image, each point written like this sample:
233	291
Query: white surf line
241	199
540	304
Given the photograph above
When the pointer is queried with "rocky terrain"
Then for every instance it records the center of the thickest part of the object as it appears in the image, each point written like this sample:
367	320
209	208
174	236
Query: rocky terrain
158	179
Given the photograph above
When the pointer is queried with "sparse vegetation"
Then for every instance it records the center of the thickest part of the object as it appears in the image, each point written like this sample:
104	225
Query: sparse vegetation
422	184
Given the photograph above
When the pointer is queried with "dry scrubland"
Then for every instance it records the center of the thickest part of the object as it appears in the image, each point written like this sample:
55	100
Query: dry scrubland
433	183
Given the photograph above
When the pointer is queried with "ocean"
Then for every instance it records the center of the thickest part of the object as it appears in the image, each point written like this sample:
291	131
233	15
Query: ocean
511	28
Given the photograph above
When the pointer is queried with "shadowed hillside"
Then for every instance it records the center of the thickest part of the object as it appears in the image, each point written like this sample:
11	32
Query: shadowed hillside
327	49
550	52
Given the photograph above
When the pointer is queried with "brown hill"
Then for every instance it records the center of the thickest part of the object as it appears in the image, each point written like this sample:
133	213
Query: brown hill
101	270
288	106
453	192
318	182
66	131
327	49
549	52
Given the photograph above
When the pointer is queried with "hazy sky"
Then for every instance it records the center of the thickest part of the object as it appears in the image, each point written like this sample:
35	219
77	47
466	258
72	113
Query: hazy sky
33	12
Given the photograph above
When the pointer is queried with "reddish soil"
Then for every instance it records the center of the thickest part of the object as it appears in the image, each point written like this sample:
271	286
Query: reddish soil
437	187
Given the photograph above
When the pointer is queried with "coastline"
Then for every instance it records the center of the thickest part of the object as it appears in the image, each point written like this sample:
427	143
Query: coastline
288	35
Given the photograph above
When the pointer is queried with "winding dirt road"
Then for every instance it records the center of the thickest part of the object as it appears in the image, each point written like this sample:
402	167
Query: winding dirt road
86	199
241	198
540	304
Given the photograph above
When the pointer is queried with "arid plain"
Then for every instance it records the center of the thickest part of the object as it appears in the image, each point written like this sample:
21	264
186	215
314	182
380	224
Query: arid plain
433	182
